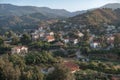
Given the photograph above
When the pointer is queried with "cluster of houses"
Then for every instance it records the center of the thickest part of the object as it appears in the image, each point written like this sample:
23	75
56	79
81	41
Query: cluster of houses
49	36
41	34
109	40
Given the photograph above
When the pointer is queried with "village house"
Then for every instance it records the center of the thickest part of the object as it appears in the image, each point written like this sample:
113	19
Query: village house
19	50
42	34
95	45
40	29
115	77
75	41
66	40
50	38
35	36
71	66
51	33
72	40
110	39
80	34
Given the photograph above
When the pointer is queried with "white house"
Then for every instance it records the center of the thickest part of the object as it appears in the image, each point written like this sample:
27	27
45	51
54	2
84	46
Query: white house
95	45
35	36
75	41
19	50
51	33
66	40
80	34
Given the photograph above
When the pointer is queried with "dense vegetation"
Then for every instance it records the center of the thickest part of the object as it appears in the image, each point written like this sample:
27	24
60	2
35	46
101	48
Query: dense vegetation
16	67
89	43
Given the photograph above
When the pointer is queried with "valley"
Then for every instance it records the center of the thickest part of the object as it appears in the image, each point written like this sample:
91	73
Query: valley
40	43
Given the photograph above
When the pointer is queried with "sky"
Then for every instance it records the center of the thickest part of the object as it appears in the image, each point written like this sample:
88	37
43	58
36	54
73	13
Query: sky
70	5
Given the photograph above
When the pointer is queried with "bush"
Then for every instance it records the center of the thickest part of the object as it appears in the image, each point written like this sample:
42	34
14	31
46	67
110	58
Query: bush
39	58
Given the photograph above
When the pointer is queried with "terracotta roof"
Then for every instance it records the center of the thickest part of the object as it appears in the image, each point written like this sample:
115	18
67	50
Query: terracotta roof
50	37
72	66
116	78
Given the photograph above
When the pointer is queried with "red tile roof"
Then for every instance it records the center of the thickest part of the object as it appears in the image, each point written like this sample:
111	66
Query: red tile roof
50	37
72	66
116	78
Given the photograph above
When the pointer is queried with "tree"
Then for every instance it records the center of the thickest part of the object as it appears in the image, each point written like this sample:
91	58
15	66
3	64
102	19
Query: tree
25	39
40	45
59	53
8	71
86	36
15	40
32	73
73	35
57	36
9	34
117	41
17	60
39	58
85	44
1	40
60	73
37	75
90	75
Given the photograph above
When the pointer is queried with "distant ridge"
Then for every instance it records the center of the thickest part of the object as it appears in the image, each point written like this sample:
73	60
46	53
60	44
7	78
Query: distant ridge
9	9
95	20
22	17
112	5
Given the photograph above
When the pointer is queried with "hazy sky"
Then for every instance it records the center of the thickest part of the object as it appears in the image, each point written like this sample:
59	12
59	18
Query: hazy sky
70	5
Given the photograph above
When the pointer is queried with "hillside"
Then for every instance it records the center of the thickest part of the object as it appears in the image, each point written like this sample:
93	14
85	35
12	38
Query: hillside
9	9
94	20
22	17
19	23
96	17
112	6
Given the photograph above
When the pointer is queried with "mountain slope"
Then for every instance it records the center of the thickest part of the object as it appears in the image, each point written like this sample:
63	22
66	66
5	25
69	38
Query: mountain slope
112	6
14	17
95	17
8	9
94	20
19	23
